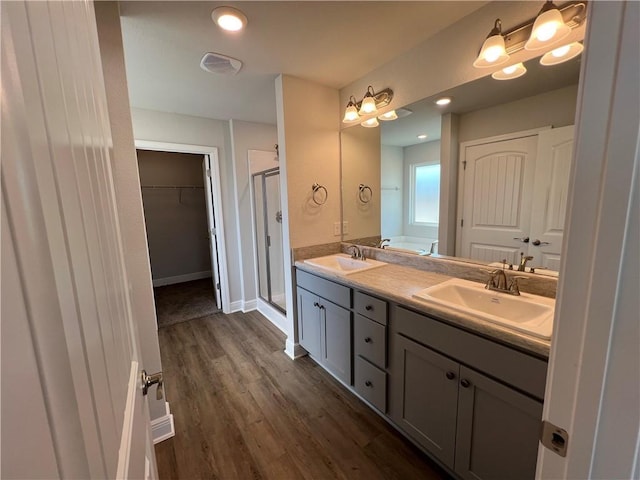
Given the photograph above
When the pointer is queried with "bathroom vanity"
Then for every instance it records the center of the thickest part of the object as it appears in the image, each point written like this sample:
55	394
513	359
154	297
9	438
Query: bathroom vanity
467	392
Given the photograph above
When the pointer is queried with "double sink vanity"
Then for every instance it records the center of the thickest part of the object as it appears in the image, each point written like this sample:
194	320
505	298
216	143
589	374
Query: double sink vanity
458	369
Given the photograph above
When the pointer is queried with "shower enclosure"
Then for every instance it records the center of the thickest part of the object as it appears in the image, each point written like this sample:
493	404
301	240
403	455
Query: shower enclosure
268	228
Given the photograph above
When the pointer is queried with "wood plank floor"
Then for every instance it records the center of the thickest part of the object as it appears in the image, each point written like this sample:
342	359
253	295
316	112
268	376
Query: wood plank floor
244	410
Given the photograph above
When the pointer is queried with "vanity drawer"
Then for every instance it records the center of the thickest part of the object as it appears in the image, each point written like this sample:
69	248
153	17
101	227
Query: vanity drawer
370	340
338	294
371	383
370	307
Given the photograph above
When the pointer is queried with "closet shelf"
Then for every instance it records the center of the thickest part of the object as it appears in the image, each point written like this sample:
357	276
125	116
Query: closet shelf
172	186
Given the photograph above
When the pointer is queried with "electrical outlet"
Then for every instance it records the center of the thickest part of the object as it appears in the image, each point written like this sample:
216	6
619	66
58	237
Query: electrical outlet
336	229
345	227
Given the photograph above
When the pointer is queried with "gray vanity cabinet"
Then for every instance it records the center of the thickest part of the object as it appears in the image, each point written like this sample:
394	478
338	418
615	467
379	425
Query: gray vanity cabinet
497	431
324	323
426	397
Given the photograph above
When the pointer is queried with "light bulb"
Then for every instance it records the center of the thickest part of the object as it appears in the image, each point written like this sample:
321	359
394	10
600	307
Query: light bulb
443	101
561	51
368	106
390	115
546	31
372	122
492	54
229	18
510	70
562	54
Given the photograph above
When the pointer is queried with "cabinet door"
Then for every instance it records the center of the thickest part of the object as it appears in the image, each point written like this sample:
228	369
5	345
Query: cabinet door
425	387
498	430
336	340
309	322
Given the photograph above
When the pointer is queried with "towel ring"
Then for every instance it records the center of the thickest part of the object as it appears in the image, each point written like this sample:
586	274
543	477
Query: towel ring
316	187
364	197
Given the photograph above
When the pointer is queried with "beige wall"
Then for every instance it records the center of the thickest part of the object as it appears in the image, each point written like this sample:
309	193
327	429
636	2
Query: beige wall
360	165
556	108
310	126
176	219
127	185
445	60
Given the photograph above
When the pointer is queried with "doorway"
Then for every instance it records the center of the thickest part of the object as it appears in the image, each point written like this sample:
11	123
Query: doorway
180	192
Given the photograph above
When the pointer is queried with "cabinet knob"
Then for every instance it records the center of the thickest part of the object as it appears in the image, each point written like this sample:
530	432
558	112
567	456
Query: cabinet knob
368	383
316	304
465	383
367	340
368	308
321	307
451	375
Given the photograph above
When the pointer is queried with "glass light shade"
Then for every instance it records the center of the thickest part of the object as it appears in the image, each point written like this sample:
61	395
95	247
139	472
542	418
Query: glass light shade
368	105
492	53
562	54
548	28
350	114
390	115
229	18
371	123
510	72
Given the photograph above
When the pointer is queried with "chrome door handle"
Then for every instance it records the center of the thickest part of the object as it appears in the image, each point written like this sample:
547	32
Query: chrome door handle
537	243
150	380
522	239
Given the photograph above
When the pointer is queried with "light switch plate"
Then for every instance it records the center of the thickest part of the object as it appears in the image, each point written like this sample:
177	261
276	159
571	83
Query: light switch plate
345	227
336	229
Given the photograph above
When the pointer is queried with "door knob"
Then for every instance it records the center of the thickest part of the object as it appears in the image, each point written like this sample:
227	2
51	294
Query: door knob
537	243
367	340
522	239
451	375
150	380
465	383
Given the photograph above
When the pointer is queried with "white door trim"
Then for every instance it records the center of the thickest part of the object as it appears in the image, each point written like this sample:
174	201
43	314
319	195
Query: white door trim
212	152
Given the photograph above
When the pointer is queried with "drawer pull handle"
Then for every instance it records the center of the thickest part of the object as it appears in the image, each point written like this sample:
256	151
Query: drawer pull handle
367	340
465	383
316	304
451	375
368	307
368	383
321	307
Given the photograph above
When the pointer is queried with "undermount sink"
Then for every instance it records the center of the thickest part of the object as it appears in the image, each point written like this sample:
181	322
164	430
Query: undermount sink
527	313
343	264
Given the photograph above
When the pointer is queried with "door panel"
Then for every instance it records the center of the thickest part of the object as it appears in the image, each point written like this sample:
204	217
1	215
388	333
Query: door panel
309	322
551	189
426	399
497	432
211	222
336	340
497	198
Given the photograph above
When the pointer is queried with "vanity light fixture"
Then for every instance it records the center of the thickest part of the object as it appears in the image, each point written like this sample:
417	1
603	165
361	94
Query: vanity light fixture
351	113
390	115
369	105
443	101
371	123
548	28
229	18
510	72
562	54
493	51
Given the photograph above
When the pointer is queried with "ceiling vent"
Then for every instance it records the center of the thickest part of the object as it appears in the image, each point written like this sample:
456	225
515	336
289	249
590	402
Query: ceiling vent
217	63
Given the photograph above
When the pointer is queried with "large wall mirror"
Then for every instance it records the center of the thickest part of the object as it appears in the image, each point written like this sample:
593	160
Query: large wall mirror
484	177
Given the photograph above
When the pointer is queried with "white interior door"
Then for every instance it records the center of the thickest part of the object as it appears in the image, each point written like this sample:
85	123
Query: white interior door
497	195
212	225
73	340
550	192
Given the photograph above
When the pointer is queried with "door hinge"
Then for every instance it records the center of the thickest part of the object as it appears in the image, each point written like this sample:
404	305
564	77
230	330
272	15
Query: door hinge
464	165
218	286
213	232
268	240
208	172
462	222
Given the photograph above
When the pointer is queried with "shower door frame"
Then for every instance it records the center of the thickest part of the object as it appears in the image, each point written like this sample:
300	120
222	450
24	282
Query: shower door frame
265	238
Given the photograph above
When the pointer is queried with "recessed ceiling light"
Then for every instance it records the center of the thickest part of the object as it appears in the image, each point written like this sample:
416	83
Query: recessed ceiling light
229	18
443	101
422	136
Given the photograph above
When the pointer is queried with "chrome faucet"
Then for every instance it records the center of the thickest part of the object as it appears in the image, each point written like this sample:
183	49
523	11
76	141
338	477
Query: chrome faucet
356	253
432	250
500	282
523	262
381	243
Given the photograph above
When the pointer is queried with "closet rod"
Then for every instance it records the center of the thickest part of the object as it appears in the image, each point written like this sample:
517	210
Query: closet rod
172	186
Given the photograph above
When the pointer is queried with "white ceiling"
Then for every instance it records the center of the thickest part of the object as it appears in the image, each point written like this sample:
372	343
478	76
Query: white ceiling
332	43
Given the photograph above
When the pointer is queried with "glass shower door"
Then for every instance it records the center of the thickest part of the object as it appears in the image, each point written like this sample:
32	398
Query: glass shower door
268	227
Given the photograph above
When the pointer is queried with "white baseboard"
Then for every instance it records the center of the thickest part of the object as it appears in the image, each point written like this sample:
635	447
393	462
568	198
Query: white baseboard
272	314
249	306
163	427
294	350
235	306
187	277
